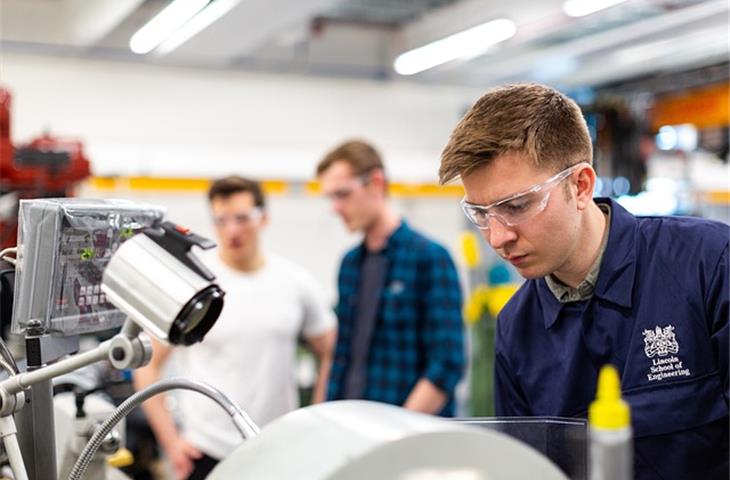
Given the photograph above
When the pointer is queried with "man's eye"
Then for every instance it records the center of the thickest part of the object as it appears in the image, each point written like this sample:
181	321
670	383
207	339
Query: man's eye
478	214
516	207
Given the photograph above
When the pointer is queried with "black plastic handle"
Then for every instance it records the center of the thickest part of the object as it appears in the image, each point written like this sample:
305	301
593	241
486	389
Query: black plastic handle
178	241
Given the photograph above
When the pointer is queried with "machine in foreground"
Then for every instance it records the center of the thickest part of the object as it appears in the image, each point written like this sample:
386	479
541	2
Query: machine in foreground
360	440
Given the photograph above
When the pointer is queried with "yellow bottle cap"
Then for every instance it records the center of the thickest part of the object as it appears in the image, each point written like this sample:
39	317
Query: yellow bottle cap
609	411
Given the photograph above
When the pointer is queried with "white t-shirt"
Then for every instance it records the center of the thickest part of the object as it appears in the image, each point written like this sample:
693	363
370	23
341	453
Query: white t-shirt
250	353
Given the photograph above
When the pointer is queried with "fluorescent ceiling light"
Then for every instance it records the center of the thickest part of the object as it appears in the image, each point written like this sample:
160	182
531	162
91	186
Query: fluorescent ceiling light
197	24
581	8
467	44
164	24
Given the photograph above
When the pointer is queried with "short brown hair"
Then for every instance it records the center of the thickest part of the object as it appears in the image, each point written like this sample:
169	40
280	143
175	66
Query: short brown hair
361	156
232	184
523	118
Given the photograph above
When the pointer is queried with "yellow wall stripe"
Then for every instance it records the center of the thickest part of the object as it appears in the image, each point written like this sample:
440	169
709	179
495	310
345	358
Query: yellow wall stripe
719	197
270	186
155	183
281	187
425	190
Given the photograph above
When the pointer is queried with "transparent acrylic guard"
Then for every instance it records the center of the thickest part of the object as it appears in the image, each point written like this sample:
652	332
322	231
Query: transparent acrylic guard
64	244
562	440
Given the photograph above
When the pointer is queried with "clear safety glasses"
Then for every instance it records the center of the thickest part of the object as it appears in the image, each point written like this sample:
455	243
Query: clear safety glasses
346	191
240	219
517	208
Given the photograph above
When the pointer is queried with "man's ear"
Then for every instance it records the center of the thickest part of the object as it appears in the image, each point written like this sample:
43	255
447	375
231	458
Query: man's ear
584	184
377	177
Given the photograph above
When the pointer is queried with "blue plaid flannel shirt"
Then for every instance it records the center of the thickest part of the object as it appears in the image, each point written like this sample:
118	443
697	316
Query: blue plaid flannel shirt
418	331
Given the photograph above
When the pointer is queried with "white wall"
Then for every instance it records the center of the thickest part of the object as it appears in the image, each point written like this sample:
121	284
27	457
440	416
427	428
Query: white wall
139	119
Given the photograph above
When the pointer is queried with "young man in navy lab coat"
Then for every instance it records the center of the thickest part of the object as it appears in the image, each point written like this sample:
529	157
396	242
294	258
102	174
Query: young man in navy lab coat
648	295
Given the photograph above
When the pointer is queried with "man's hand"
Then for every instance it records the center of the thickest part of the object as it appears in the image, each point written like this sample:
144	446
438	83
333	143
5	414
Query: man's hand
426	398
182	456
323	347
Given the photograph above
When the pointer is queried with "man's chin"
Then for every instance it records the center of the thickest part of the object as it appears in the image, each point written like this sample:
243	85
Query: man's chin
531	273
530	276
235	252
351	226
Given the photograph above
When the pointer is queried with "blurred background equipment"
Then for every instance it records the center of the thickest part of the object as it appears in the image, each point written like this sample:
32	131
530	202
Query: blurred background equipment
44	167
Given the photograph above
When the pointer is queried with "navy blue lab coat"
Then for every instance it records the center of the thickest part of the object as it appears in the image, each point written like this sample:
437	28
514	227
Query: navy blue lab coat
659	313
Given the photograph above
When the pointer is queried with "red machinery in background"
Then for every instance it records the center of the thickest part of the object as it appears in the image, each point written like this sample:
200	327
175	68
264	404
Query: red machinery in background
45	167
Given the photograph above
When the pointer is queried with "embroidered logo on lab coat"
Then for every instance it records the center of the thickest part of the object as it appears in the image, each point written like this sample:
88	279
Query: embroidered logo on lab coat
662	343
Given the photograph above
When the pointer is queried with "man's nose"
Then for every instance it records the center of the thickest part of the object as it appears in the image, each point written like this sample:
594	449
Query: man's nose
498	234
337	206
231	227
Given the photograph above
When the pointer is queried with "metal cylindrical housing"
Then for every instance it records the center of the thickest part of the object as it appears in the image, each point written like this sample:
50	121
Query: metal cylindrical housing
150	285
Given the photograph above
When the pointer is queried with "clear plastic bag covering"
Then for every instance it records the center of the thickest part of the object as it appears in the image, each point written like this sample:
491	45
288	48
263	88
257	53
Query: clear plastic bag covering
562	440
64	244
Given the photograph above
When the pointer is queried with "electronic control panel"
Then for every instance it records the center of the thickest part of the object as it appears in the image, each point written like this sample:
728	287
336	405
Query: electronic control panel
63	247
